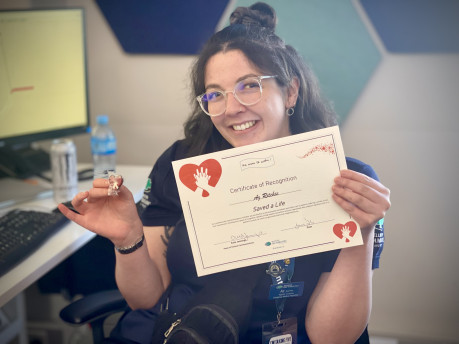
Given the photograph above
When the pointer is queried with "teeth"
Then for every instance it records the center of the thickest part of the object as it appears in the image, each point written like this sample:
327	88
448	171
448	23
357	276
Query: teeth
244	126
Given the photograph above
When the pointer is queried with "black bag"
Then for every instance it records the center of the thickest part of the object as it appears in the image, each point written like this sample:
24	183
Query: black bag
163	323
203	324
215	314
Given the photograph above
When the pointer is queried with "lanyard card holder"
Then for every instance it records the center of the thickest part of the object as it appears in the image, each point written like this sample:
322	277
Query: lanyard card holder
280	332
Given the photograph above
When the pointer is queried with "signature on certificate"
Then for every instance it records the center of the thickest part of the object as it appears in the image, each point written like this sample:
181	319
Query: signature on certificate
241	237
306	224
245	236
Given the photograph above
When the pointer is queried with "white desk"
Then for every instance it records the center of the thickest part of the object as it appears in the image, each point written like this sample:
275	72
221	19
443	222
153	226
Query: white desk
65	242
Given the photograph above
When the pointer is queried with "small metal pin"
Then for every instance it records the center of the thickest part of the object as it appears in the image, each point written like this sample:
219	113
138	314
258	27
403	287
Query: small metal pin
275	269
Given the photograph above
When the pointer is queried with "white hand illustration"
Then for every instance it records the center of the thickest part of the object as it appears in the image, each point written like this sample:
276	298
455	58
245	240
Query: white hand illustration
202	179
346	233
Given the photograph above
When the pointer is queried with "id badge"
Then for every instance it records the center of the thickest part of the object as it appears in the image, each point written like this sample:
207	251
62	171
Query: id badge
285	290
283	332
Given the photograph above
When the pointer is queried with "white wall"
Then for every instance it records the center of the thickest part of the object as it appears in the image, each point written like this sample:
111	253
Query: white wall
405	124
135	91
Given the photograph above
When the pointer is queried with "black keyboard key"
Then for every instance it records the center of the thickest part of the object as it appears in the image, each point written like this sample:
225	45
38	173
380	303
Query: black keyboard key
24	231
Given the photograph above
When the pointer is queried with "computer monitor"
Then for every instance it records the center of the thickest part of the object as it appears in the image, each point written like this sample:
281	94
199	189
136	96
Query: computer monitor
43	81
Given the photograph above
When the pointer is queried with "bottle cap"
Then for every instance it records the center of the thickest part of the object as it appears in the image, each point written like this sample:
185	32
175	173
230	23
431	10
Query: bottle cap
102	119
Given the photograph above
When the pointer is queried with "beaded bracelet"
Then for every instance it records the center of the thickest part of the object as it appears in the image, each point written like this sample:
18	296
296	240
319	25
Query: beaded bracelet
131	248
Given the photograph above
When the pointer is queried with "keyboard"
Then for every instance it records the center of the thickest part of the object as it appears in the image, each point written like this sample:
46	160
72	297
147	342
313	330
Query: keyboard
24	231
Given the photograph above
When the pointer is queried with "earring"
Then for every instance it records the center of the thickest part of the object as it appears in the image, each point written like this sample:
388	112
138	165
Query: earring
290	111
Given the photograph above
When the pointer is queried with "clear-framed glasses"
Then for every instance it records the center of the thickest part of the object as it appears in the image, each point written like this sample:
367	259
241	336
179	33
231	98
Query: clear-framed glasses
247	92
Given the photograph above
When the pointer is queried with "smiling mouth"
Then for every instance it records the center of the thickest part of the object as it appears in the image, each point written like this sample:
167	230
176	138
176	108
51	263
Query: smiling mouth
244	126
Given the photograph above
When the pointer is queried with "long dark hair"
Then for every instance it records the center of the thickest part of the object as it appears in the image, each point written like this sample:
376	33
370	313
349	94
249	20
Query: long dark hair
251	31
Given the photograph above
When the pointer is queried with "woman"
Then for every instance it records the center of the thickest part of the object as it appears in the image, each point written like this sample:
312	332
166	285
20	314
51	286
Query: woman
336	302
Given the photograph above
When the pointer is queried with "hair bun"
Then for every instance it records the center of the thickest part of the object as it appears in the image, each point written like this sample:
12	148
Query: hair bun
259	14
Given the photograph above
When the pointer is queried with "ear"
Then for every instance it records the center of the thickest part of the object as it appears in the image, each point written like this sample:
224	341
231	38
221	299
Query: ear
292	93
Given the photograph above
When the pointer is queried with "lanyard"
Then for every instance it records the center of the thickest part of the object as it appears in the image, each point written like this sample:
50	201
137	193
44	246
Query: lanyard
281	271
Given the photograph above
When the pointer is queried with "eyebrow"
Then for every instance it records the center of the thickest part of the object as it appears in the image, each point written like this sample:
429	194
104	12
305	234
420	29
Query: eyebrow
237	80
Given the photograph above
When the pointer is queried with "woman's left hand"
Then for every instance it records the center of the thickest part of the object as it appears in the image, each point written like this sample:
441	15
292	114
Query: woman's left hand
362	197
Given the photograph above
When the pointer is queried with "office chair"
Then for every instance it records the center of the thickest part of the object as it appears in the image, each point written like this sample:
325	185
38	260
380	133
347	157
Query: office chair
101	299
88	272
94	309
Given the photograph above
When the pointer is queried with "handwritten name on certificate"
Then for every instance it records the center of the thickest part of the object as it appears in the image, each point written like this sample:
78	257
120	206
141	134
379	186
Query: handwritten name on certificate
263	202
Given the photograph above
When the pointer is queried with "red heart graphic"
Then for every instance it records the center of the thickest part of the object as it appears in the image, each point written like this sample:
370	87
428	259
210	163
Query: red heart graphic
187	172
338	229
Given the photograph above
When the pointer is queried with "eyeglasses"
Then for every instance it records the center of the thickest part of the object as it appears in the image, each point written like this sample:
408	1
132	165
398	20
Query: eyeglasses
247	92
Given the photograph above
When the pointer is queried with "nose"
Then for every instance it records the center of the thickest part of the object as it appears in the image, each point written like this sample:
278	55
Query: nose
233	106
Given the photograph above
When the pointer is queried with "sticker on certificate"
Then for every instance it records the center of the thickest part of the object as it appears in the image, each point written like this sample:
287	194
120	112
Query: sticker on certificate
264	202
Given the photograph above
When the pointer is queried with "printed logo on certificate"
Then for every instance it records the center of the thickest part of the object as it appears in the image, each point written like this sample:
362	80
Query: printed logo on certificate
264	202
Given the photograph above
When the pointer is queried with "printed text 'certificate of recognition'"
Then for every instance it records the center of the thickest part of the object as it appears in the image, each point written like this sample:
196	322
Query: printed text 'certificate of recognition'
263	202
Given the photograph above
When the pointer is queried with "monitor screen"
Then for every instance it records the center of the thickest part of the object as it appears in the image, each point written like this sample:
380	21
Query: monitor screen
43	80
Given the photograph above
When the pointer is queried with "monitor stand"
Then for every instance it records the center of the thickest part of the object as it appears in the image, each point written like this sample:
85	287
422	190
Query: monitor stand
18	163
23	161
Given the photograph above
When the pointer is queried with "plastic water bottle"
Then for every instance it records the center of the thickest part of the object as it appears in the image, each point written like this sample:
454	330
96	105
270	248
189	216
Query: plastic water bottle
103	147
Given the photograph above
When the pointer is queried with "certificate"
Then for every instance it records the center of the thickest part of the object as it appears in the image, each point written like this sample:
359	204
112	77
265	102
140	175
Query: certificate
263	202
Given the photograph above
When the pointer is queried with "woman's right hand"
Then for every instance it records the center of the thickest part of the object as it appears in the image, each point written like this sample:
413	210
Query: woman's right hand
113	217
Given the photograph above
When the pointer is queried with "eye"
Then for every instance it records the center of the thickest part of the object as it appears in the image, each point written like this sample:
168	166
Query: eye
248	85
213	96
